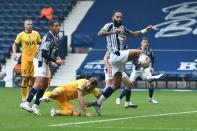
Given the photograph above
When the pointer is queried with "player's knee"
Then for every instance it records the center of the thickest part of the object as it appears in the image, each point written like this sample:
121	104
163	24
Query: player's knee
39	84
76	113
151	85
117	85
31	83
45	84
117	76
130	84
25	79
24	83
40	81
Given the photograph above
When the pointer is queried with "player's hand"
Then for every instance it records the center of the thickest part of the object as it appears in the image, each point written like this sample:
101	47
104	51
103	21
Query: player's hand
141	68
149	28
59	61
88	114
117	31
15	57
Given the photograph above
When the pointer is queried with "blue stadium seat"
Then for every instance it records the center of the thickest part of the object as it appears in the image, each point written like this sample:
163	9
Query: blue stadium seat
12	16
83	39
2	59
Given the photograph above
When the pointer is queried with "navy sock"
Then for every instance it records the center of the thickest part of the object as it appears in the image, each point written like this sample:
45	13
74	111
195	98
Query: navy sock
128	94
123	93
31	95
103	90
108	92
151	91
38	96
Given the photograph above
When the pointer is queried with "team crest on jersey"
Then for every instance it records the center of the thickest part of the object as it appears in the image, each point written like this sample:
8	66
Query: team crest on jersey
43	72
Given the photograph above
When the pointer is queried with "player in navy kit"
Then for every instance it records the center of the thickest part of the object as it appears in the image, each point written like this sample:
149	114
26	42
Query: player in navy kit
146	73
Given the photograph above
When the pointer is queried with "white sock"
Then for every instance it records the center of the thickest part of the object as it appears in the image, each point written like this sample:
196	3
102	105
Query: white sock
100	100
104	89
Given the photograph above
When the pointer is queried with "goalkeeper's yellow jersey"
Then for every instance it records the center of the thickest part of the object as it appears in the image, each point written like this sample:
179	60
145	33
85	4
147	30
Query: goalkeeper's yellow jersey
29	43
70	89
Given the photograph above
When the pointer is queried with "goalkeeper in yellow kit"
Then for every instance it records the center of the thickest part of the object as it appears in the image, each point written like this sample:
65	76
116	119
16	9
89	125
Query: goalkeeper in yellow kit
74	90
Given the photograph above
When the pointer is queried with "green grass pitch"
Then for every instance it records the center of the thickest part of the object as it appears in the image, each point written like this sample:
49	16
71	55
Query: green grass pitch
176	111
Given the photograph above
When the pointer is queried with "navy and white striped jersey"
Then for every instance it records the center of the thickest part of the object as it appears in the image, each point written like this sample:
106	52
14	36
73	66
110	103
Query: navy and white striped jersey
115	42
149	53
49	43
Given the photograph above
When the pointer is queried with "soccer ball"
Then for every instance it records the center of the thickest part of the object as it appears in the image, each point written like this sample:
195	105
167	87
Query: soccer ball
144	61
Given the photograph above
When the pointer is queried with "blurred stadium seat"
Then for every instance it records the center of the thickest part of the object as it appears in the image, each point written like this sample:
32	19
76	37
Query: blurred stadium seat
14	12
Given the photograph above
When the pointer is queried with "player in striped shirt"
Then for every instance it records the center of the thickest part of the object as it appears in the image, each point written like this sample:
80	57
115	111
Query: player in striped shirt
48	51
116	35
125	79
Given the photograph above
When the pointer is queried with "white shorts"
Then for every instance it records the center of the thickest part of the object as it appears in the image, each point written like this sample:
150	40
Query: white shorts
42	70
144	74
117	62
107	77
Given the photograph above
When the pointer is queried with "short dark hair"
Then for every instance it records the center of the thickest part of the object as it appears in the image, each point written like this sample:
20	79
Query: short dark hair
93	81
28	19
145	38
115	11
51	22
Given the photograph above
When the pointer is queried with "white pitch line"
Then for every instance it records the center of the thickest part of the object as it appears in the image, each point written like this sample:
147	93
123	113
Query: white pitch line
136	128
123	118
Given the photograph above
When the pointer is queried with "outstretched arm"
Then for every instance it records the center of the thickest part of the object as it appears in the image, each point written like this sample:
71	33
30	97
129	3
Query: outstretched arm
137	33
82	103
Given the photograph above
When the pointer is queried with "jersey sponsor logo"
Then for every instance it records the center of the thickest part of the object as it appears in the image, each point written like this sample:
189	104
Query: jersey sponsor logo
180	20
43	73
30	43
